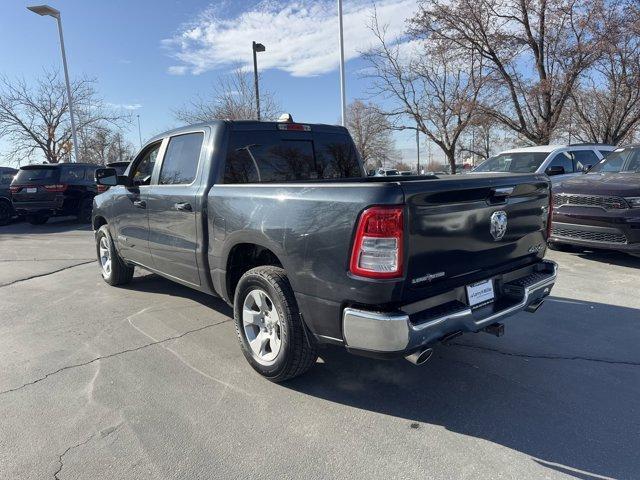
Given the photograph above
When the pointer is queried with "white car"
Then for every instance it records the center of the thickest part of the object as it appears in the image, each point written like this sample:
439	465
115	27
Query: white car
560	162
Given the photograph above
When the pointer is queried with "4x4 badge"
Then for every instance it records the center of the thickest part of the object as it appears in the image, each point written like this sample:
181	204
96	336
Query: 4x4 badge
498	224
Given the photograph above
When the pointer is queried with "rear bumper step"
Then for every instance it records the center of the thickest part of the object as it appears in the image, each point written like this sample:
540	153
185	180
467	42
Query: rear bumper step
397	332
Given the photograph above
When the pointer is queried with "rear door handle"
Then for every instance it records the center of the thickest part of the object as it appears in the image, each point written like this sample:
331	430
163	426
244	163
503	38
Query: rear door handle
183	206
140	204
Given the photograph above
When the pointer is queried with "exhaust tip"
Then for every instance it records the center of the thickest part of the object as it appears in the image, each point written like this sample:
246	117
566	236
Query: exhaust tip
419	357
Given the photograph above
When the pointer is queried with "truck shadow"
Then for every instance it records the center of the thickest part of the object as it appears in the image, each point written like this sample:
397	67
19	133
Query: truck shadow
611	257
54	225
562	387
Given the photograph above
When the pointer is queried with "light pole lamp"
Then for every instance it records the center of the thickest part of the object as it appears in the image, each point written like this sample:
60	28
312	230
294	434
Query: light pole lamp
257	47
46	10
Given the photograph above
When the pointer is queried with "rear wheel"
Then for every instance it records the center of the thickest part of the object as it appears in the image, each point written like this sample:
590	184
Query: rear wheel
269	327
6	212
38	219
86	209
114	270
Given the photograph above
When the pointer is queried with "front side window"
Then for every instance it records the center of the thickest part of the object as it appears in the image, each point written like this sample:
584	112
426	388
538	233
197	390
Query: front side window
563	160
181	160
141	174
269	157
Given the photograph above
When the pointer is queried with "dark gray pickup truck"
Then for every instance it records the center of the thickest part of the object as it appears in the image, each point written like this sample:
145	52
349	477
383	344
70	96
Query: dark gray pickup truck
280	221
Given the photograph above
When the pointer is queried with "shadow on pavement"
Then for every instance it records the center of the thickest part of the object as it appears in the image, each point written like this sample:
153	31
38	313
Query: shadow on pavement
54	225
611	257
558	395
152	283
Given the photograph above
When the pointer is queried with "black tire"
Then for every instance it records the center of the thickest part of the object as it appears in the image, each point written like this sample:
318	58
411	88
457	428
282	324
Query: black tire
86	209
6	212
38	219
119	272
298	352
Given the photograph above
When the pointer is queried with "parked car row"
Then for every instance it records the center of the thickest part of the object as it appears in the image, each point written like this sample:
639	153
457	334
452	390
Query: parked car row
39	192
596	192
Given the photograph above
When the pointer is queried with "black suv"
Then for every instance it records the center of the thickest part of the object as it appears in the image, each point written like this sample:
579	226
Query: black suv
6	208
43	191
602	208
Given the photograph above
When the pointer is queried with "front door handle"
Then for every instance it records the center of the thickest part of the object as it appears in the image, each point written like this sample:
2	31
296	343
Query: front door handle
140	204
183	206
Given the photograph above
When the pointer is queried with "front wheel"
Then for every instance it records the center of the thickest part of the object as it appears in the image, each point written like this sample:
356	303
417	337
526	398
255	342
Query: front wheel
269	327
114	270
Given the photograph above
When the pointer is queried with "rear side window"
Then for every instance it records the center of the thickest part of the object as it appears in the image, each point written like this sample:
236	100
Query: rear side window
181	160
271	157
72	174
6	177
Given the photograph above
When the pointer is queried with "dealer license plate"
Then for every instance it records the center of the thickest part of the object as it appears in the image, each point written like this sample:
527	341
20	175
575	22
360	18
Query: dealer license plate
480	293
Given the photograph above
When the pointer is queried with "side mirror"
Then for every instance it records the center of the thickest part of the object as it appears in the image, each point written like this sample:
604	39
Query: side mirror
555	170
109	177
586	168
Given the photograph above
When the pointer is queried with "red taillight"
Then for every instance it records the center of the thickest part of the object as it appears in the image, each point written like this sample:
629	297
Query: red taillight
294	126
15	188
58	187
377	248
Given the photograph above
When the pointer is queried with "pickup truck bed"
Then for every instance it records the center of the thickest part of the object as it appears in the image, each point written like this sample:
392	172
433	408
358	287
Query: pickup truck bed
384	266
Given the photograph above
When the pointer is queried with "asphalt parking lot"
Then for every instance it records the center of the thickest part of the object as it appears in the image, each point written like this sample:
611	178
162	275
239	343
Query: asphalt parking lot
147	382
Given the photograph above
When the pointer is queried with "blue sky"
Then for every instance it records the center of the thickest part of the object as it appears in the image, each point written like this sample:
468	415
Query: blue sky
151	57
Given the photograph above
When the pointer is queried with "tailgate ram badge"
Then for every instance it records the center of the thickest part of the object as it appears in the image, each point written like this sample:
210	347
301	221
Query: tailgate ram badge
498	224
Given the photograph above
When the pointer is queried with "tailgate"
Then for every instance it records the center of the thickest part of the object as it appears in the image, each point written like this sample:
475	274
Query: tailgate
464	228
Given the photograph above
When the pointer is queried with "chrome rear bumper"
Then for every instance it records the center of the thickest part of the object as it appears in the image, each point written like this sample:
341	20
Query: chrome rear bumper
389	332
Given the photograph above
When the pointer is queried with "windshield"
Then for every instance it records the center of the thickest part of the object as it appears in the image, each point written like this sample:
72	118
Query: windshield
521	162
37	175
620	161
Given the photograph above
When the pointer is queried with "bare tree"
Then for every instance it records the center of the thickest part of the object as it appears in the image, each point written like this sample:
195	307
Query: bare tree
35	118
372	134
435	92
106	145
484	137
233	99
535	49
606	106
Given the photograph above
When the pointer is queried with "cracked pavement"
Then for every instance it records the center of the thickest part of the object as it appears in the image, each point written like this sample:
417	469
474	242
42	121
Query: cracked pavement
147	382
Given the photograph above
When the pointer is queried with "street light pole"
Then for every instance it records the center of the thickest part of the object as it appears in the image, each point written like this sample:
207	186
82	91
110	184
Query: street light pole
45	10
343	102
139	131
418	147
257	47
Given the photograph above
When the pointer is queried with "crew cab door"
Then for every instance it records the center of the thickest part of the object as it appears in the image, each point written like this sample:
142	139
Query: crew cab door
130	208
173	211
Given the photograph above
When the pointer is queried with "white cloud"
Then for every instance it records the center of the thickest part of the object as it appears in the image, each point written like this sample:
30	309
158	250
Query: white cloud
125	106
301	37
178	69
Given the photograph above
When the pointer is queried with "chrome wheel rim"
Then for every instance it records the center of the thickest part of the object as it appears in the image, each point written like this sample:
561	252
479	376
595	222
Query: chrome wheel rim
105	257
262	326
